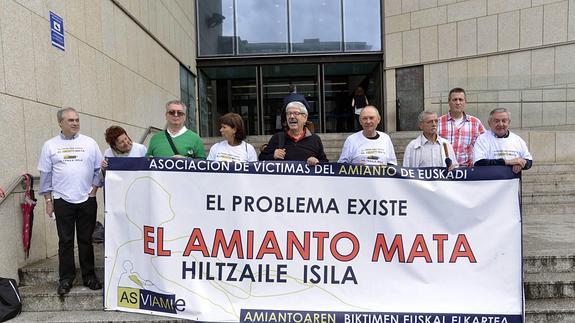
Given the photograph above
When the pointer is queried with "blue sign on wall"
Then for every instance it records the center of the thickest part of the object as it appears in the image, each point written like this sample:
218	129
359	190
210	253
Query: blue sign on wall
57	30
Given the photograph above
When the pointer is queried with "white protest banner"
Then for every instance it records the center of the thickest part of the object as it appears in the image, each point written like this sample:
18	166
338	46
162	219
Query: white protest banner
288	242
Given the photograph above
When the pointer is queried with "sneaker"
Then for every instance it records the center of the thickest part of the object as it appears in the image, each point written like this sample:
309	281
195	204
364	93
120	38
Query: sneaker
64	287
93	283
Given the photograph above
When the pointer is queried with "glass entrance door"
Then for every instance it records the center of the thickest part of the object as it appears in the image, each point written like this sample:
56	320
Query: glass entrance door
276	80
340	82
224	90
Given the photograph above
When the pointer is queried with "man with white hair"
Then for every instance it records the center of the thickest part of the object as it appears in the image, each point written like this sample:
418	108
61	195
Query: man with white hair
297	142
368	146
499	146
429	149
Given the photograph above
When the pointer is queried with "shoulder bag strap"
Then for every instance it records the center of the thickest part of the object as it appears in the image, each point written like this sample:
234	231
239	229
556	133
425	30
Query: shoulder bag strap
171	142
282	140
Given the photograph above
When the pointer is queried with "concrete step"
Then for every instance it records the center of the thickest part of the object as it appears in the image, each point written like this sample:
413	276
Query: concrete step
555	187
551	168
548	264
567	196
43	297
549	285
41	274
531	209
554	177
548	234
550	310
46	271
90	316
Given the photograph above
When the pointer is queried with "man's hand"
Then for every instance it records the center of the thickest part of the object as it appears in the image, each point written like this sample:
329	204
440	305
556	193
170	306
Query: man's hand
279	153
312	161
104	164
516	161
93	191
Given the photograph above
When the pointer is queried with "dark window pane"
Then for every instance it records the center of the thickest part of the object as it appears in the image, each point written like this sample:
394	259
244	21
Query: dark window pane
262	26
187	94
276	80
362	21
340	83
315	25
409	93
228	89
215	27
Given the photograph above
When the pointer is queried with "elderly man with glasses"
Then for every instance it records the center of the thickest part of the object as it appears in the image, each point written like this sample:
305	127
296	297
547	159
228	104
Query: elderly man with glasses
177	140
297	142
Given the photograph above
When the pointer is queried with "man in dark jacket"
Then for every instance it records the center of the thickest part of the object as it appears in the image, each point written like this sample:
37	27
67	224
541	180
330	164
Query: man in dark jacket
297	142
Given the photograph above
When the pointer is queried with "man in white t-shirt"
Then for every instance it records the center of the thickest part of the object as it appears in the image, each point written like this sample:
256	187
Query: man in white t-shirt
69	168
369	146
499	146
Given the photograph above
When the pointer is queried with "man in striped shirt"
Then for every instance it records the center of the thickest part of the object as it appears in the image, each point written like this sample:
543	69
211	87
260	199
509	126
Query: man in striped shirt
459	128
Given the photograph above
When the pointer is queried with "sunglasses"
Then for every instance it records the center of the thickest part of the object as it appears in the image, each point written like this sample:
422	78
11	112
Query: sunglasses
176	113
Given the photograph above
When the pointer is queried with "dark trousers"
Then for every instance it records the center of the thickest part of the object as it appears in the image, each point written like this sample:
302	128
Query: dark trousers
81	218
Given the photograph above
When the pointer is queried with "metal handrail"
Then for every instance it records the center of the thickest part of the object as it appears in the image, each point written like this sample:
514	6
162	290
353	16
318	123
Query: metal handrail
148	132
12	187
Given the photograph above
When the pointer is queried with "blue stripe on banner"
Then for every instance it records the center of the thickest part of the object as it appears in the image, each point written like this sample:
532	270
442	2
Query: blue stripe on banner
265	316
301	168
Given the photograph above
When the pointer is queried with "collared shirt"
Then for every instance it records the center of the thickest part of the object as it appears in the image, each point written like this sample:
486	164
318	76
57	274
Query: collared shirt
179	133
461	138
421	152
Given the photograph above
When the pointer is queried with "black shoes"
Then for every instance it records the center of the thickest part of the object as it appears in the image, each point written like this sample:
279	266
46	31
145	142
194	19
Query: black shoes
64	287
93	283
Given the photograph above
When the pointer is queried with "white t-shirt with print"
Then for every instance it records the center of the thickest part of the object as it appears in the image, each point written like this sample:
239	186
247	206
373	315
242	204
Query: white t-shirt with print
489	146
223	151
357	149
73	163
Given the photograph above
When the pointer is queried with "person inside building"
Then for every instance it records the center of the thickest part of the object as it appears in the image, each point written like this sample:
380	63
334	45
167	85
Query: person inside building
499	146
358	102
429	149
69	168
2	193
298	142
291	97
234	147
368	146
176	141
459	128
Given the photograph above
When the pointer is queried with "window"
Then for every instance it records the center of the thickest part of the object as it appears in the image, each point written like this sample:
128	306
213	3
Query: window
262	26
188	95
362	21
256	27
316	27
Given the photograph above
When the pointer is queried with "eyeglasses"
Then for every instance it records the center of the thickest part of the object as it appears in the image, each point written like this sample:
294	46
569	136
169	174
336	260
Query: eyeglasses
176	113
294	113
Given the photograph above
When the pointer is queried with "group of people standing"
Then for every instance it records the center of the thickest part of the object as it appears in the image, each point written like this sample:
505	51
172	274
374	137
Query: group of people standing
70	163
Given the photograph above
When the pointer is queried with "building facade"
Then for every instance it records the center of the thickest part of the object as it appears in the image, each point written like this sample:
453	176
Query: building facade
250	51
123	59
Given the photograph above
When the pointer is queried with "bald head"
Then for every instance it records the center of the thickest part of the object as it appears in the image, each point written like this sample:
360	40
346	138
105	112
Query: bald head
371	110
369	119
